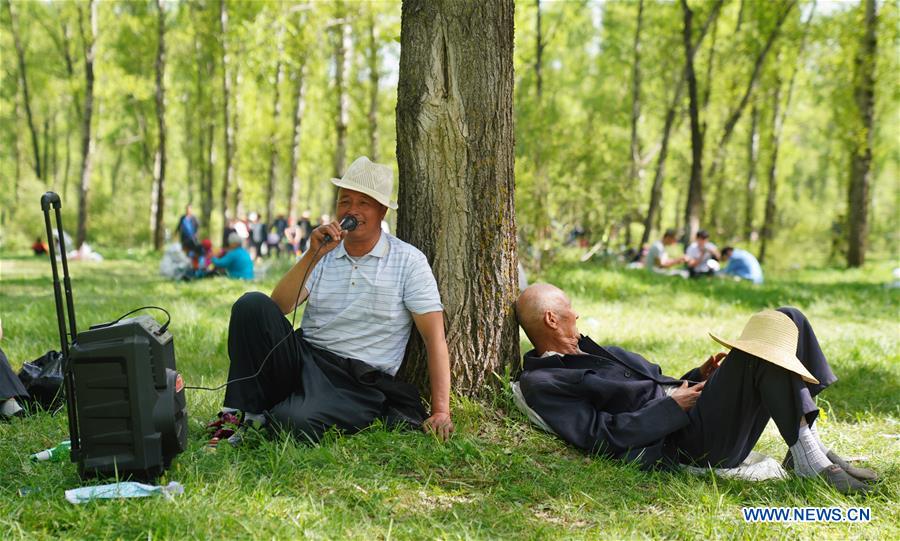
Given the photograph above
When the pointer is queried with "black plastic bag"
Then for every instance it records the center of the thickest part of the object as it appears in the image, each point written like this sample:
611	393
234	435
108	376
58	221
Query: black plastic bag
43	379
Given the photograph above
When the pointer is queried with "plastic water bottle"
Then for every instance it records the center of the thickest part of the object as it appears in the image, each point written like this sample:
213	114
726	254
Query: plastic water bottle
54	454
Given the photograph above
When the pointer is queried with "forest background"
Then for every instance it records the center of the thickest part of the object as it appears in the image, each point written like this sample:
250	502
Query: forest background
138	108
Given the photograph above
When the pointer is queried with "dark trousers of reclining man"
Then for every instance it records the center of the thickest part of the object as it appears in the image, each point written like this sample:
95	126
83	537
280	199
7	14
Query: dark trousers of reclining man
614	402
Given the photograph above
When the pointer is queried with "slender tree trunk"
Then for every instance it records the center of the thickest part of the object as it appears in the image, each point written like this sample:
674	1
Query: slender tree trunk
752	160
238	197
541	189
273	137
637	169
17	148
114	173
299	106
861	159
159	169
341	68
54	152
227	127
722	147
656	190
768	226
23	81
68	161
87	140
694	207
455	150
374	77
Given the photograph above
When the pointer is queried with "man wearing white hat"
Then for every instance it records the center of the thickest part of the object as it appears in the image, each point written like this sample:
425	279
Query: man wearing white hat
614	402
365	291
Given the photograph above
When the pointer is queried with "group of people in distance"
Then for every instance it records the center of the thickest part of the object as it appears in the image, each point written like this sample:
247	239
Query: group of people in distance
702	258
366	289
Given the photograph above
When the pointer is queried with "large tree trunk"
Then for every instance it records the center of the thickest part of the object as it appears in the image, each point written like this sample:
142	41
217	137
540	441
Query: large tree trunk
693	212
752	160
228	128
656	190
299	106
23	80
861	160
273	137
87	140
341	68
374	77
159	162
455	149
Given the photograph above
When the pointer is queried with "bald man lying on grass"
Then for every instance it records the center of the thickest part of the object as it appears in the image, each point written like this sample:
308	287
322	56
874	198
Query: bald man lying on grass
613	402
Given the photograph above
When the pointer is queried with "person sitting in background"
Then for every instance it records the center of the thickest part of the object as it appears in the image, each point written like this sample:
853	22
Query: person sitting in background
236	262
613	402
11	388
187	229
741	264
702	256
39	247
658	260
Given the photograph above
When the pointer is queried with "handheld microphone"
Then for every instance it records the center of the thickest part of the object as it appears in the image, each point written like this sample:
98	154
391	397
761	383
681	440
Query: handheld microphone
348	223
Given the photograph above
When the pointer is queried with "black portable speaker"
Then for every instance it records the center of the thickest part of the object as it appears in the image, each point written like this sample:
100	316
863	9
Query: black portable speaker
125	399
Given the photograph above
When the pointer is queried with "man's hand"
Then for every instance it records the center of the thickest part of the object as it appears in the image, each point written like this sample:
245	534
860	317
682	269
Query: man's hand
439	424
686	396
711	365
317	238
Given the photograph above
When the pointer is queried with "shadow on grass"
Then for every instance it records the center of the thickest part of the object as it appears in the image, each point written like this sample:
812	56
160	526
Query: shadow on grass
863	390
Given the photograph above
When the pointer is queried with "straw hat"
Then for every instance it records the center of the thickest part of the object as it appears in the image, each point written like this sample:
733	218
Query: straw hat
373	179
771	336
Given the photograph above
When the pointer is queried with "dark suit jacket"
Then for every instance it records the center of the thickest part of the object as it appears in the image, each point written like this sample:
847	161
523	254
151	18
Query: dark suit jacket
608	401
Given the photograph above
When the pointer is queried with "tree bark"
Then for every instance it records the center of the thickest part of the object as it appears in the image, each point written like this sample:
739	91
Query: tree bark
299	106
656	190
694	207
861	160
341	68
87	140
23	80
772	195
159	163
273	137
752	160
374	78
455	150
227	127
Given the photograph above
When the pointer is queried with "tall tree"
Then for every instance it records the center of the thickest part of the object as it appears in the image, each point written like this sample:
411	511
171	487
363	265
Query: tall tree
23	81
341	69
861	158
273	136
636	168
668	124
228	125
541	188
158	199
455	154
89	42
374	77
752	160
694	205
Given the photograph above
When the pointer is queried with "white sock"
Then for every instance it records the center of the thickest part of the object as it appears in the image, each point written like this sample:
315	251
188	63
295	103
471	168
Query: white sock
809	460
10	407
232	411
815	434
257	418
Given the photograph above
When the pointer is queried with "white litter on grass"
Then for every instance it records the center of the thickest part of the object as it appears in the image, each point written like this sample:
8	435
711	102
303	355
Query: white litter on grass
127	489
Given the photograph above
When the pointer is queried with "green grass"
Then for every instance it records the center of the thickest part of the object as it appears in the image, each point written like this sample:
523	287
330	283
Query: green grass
498	477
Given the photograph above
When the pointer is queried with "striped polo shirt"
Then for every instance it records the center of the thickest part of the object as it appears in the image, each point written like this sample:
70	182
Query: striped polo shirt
361	307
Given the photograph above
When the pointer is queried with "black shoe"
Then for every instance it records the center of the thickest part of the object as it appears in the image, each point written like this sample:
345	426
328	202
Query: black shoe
863	474
835	476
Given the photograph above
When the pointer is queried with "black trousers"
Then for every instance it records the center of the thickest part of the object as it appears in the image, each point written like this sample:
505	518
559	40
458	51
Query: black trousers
743	394
10	384
303	388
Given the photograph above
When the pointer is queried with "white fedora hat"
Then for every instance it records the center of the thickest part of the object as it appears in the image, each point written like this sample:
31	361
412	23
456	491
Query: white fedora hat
772	336
373	179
